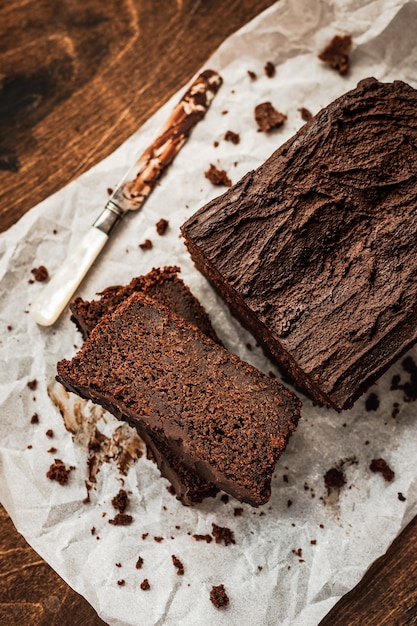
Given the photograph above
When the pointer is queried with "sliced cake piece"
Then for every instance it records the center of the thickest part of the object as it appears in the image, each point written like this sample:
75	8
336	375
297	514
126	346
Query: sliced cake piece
315	250
221	417
165	286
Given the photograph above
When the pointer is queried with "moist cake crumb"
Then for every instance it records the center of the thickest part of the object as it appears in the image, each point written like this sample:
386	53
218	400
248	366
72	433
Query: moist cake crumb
32	384
144	585
401	497
121	519
306	115
207	538
178	564
269	69
267	117
162	226
34	419
334	479
232	137
217	177
59	472
49	433
336	53
222	534
382	467
218	596
139	563
52	450
121	582
120	501
146	245
237	511
252	75
40	273
158	539
372	402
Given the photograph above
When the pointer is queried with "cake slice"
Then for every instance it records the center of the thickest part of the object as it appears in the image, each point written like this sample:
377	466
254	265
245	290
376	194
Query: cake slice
315	250
221	417
165	286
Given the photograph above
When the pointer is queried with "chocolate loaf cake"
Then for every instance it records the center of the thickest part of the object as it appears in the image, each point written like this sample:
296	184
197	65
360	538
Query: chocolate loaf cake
315	250
165	286
221	417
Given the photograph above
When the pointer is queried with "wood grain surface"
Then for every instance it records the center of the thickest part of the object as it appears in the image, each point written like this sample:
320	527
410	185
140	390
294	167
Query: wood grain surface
77	78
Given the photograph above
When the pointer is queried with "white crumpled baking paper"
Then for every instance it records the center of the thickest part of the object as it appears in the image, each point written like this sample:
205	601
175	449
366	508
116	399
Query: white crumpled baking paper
289	564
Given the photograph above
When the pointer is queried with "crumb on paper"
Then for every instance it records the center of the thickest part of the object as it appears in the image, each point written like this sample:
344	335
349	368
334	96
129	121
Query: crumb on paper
232	137
306	115
162	226
217	176
40	273
267	117
32	384
121	519
207	538
146	245
381	466
222	534
336	53
120	501
178	565
121	582
139	563
218	596
59	472
144	585
269	69
49	433
252	75
372	402
34	419
334	478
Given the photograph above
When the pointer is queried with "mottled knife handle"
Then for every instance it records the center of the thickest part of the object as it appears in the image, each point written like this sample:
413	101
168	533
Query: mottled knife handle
129	196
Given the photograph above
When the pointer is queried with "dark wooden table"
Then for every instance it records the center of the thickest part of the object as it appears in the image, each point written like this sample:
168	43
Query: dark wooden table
77	78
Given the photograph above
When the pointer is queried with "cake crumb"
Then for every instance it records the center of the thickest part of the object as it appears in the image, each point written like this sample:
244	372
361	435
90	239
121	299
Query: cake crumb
121	582
40	273
121	519
382	467
306	115
218	596
401	497
162	226
158	539
222	534
269	69
59	472
372	402
52	450
224	498
49	433
146	245
334	478
32	384
252	75
144	585
232	137
34	419
238	511
120	501
267	117
207	538
336	53
217	177
178	564
139	563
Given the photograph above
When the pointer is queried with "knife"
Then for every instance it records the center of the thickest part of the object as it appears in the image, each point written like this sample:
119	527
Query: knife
130	194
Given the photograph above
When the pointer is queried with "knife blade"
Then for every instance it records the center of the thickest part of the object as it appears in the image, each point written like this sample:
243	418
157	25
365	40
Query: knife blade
129	195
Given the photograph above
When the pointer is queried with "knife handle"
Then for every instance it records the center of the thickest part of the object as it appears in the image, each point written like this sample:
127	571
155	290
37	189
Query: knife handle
58	292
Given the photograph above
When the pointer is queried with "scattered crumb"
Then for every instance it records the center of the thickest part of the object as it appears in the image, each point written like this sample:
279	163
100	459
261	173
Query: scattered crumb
237	511
267	117
9	327
121	519
260	568
144	535
139	563
29	447
225	112
171	490
32	384
118	564
177	563
217	177
306	115
218	596
40	273
224	498
34	419
269	69
381	466
401	497
289	503
252	75
146	245
120	501
158	539
206	538
313	542
52	450
144	585
49	433
216	144
109	191
336	53
334	479
162	226
298	552
121	582
372	402
222	534
232	137
59	472
93	530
